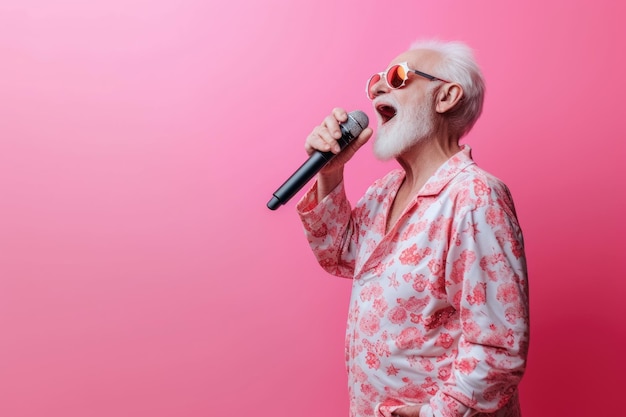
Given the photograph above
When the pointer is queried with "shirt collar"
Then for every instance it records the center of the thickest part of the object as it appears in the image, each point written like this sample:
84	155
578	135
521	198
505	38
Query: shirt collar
446	172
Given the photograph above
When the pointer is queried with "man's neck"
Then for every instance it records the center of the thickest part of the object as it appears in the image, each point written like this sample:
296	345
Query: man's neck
422	160
419	163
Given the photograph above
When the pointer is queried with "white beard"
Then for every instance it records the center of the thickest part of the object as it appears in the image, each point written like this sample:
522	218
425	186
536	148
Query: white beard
410	125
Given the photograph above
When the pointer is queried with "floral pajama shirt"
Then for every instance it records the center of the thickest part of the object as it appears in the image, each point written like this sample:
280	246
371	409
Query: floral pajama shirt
438	314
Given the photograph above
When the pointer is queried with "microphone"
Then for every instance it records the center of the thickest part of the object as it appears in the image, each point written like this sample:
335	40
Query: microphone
350	130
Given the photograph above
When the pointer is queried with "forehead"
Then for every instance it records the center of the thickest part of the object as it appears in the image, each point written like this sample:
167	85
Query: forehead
422	59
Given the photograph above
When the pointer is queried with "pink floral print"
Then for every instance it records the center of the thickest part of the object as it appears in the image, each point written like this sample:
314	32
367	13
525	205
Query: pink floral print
438	314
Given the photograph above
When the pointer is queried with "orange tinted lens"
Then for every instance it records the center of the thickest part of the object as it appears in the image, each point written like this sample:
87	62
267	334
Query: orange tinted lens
396	76
373	80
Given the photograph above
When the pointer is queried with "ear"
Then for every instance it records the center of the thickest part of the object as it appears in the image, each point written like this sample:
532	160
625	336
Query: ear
449	95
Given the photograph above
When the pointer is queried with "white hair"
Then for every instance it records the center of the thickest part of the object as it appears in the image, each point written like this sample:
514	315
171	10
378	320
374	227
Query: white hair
458	65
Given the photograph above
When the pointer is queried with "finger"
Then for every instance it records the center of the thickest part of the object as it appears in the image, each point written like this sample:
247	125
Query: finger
332	124
321	140
408	411
354	146
337	116
340	114
324	137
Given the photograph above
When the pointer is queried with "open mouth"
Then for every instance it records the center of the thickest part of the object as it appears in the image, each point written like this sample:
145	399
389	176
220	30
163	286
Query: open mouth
386	112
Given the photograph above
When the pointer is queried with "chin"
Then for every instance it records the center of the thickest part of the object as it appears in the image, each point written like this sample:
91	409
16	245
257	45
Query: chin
401	128
394	138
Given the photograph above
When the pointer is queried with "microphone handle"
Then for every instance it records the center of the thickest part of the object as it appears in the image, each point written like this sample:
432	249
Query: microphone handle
308	170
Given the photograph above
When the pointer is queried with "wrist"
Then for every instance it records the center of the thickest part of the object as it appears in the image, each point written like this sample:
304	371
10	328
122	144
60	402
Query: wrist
327	182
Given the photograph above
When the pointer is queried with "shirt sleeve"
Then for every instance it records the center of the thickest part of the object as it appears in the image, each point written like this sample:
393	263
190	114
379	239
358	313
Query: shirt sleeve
486	281
329	228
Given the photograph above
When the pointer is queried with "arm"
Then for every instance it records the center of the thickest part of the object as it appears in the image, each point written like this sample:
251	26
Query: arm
487	283
329	228
324	210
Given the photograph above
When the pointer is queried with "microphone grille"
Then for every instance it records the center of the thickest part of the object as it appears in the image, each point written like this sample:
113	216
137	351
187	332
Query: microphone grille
357	121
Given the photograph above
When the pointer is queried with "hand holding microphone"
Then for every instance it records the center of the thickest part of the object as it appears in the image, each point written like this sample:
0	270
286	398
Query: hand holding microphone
329	146
330	137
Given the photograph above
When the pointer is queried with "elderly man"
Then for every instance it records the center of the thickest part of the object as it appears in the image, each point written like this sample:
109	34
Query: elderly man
438	317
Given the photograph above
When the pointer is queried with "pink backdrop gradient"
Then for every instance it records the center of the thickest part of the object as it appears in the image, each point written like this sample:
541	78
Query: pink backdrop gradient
141	273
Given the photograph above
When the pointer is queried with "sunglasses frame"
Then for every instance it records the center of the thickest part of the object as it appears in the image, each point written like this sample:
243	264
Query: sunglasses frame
385	76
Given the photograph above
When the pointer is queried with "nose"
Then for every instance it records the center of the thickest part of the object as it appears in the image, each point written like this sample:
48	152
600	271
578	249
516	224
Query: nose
377	86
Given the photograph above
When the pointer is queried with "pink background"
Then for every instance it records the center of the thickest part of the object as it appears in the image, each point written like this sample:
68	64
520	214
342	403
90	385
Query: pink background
141	273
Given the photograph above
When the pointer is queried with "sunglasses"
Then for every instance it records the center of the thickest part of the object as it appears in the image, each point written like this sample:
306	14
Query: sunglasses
396	77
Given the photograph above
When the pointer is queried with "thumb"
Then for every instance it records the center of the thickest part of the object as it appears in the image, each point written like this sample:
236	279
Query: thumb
348	152
354	146
365	135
